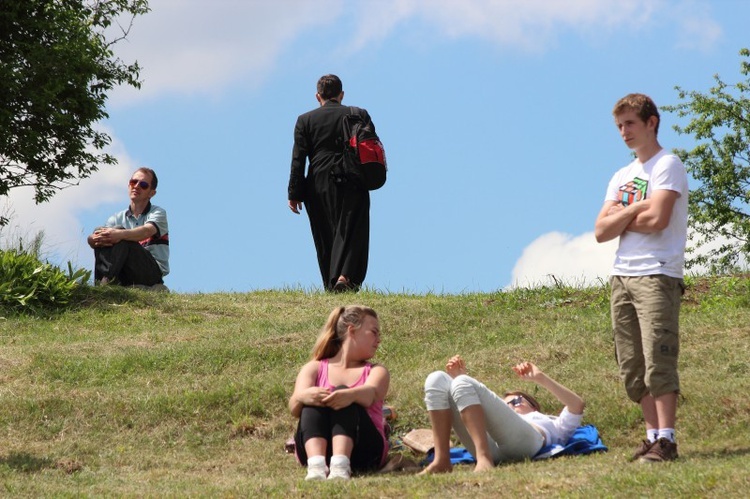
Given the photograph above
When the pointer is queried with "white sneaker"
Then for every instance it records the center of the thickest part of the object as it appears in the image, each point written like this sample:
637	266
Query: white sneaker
317	472
340	471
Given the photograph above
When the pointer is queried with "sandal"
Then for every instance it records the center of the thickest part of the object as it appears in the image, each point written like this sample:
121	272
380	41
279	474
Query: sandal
342	285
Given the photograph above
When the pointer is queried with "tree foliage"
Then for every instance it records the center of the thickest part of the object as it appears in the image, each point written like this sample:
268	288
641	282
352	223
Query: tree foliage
720	124
57	66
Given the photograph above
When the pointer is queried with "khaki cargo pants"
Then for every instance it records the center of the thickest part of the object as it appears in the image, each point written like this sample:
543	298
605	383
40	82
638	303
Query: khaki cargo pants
645	322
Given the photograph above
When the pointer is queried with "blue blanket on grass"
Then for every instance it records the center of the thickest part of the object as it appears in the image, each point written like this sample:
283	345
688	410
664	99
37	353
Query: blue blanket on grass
584	440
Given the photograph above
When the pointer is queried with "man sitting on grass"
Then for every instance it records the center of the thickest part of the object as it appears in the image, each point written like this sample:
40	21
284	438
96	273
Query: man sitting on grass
132	249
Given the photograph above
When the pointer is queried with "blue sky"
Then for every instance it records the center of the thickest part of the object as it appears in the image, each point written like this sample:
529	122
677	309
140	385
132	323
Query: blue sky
495	115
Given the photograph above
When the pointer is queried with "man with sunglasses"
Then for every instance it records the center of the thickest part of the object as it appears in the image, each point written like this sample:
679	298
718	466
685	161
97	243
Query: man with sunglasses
132	249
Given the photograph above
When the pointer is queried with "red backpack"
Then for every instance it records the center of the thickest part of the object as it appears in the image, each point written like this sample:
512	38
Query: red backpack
363	155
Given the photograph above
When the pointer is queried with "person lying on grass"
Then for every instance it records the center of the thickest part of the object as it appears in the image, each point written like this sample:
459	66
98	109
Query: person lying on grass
338	398
494	429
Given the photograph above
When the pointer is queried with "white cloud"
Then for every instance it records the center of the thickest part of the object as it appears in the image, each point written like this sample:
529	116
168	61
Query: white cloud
188	46
194	46
528	24
697	29
531	24
576	260
572	260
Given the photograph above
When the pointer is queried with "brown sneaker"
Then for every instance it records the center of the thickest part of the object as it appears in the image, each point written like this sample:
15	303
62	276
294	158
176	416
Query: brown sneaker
642	450
662	450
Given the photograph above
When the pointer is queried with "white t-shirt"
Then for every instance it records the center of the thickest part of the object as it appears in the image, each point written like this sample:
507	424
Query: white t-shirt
660	252
557	430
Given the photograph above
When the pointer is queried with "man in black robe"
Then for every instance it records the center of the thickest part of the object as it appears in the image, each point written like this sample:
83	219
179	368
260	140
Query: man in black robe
339	209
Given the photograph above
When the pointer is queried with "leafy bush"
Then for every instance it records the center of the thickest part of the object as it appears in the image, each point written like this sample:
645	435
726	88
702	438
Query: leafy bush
29	285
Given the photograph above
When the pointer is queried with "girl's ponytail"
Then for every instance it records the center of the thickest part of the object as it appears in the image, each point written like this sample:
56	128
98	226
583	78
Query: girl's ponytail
332	335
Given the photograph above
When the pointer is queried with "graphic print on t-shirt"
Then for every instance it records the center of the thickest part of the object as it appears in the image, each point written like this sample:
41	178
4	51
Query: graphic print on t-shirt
633	191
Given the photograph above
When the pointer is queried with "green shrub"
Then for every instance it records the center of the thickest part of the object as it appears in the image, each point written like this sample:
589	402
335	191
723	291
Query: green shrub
28	285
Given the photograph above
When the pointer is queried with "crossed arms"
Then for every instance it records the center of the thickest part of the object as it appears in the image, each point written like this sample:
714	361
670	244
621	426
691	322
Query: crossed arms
307	393
646	216
109	236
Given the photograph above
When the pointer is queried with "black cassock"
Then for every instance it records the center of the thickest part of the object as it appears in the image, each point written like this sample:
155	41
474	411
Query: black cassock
339	210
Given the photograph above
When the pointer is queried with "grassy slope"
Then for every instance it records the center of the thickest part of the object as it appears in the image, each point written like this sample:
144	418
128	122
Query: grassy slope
147	394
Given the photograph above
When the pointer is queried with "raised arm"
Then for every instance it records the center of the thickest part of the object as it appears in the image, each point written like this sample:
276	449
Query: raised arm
528	371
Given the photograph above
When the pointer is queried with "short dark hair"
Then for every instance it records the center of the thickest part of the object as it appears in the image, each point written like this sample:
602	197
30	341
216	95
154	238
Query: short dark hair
329	87
154	180
643	106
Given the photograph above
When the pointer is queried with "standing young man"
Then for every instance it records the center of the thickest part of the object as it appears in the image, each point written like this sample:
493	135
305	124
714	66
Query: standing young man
646	207
339	210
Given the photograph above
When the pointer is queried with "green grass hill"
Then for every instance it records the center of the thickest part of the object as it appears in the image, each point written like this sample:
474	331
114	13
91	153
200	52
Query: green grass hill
133	393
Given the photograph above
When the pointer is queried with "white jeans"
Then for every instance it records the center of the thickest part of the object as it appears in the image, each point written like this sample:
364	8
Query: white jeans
510	437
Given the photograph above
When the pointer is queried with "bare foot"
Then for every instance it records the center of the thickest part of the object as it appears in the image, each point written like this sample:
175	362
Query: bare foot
483	465
436	467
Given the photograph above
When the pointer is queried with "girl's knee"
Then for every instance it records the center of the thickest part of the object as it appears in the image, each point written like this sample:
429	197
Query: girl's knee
437	380
462	382
437	389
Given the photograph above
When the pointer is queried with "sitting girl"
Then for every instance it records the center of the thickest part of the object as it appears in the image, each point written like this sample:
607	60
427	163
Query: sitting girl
494	429
338	398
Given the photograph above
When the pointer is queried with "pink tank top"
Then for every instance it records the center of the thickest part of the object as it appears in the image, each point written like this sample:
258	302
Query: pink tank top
375	411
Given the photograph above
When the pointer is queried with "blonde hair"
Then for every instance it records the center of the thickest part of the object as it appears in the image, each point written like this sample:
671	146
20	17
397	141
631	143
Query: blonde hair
332	335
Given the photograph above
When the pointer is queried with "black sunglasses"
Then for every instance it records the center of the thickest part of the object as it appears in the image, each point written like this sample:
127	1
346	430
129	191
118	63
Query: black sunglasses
516	401
142	183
